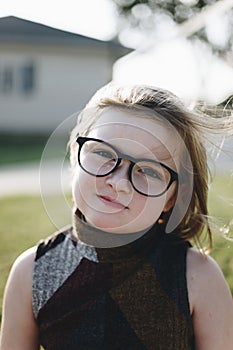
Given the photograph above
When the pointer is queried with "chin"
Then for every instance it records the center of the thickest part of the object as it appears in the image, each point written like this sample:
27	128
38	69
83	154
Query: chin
109	228
114	227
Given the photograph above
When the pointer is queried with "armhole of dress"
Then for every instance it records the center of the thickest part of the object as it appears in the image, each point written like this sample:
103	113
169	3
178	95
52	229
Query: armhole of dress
35	304
43	247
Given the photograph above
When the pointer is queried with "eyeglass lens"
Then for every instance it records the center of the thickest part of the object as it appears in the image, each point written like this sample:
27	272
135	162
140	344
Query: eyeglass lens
147	177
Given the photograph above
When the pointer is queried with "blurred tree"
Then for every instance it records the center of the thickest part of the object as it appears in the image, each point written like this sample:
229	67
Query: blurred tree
208	20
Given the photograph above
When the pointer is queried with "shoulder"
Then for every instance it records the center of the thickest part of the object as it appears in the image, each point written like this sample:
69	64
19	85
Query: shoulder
211	302
198	264
17	306
20	277
22	268
203	274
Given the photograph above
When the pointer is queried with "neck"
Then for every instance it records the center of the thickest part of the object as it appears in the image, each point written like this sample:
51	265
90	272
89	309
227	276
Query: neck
101	239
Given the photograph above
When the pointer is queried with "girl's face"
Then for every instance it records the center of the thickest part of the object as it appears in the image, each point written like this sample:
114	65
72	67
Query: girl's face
110	202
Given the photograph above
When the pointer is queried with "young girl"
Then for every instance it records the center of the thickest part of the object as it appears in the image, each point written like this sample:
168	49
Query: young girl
125	275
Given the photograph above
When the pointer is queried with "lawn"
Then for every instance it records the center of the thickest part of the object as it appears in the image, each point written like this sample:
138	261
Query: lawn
220	206
24	221
20	148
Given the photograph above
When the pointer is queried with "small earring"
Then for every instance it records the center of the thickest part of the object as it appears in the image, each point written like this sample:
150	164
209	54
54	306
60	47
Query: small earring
162	219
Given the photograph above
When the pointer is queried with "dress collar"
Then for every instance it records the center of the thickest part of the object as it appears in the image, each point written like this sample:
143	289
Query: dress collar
116	246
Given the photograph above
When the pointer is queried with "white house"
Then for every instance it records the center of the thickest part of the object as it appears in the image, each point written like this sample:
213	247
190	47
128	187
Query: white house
47	74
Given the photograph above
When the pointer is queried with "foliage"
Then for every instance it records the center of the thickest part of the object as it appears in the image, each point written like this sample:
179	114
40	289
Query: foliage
145	15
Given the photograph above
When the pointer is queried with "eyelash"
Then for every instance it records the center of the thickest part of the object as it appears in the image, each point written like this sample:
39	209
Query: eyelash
105	154
154	172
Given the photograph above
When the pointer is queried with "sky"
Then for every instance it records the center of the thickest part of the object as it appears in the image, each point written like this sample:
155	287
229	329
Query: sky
191	72
94	18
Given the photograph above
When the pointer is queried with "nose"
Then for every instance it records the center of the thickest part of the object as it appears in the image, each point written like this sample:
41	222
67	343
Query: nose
119	178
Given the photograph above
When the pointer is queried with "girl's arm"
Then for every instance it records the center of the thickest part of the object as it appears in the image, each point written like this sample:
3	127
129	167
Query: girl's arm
210	302
19	330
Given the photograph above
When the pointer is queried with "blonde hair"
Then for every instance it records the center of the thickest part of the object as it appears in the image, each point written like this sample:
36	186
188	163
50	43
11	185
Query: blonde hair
190	125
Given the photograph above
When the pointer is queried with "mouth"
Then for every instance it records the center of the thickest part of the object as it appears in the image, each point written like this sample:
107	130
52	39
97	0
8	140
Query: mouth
112	202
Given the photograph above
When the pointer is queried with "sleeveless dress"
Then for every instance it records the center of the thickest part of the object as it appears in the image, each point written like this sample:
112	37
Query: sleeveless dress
131	297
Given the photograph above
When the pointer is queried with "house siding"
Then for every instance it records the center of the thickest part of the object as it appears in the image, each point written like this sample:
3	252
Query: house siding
42	84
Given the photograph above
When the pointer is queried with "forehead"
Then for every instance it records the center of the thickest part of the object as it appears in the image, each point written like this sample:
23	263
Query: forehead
138	133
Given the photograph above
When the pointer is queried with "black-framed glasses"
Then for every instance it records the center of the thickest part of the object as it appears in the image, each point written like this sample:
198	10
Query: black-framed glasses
148	177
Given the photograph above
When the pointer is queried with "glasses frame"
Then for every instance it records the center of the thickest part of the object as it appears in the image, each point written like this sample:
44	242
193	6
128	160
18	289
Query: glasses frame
81	140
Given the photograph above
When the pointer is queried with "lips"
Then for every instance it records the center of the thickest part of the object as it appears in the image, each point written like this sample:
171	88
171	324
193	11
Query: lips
112	202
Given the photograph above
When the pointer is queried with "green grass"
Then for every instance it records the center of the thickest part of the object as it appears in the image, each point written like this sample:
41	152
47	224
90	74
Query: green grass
18	148
24	221
220	205
21	148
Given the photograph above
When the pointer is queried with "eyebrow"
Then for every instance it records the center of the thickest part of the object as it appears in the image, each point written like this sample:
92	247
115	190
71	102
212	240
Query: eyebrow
164	157
162	154
141	157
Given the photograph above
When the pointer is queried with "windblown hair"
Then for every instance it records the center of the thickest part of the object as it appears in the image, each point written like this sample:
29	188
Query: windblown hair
191	126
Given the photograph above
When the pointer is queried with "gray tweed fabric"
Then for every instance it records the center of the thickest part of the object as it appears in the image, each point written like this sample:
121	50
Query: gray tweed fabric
55	266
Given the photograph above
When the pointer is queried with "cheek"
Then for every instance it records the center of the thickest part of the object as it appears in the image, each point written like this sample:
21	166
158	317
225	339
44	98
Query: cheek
148	210
81	186
84	188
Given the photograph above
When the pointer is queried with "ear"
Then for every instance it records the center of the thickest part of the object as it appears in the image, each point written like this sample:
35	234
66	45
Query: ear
170	203
180	194
73	153
73	146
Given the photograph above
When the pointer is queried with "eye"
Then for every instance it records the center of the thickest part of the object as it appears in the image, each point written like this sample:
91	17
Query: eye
105	154
150	172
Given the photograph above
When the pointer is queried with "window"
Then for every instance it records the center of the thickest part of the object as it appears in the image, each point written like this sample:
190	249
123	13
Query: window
17	79
28	78
6	80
